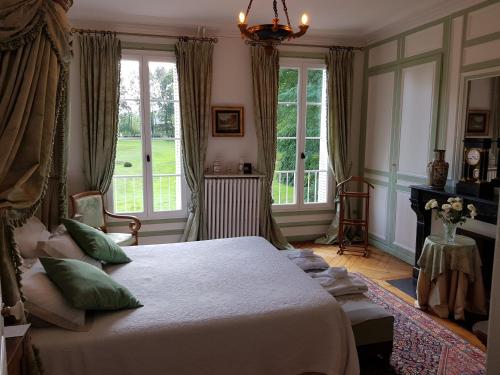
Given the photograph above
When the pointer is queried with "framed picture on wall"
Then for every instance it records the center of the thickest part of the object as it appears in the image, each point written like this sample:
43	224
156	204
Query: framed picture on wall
477	122
227	122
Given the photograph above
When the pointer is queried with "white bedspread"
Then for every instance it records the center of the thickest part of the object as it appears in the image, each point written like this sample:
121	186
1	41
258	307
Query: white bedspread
233	306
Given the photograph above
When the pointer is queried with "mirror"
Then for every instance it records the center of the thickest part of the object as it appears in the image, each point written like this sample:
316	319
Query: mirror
483	116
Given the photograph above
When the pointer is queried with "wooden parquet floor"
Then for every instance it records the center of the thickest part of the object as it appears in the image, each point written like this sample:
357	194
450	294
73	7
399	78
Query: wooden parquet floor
380	266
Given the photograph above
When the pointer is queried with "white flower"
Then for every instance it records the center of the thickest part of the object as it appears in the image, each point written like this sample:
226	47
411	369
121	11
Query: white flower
471	207
446	207
473	214
451	200
431	204
457	206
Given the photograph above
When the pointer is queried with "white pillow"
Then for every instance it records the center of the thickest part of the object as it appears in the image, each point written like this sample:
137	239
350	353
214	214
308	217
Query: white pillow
45	302
28	235
63	246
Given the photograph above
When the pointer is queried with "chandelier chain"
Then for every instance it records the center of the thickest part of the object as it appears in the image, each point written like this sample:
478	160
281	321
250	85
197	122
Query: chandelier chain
248	9
286	13
275	8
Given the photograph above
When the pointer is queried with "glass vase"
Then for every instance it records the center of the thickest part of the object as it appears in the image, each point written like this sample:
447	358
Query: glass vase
450	232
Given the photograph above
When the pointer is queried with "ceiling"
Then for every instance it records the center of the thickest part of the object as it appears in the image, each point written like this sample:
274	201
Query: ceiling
328	18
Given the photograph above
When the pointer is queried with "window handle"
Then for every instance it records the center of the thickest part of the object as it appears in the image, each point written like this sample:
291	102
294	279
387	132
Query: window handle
302	155
148	158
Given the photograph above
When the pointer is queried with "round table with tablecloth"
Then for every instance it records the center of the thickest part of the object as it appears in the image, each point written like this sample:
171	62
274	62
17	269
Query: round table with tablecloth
450	279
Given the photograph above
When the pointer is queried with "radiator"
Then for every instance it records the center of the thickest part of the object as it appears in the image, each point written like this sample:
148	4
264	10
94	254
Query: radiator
232	206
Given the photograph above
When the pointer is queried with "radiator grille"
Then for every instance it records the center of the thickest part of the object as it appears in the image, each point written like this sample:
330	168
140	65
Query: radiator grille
232	207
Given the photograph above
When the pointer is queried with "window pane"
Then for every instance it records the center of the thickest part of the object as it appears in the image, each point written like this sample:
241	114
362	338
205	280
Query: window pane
312	154
284	175
162	118
287	120
165	125
315	186
162	81
316	163
288	82
128	182
313	120
130	86
165	174
314	85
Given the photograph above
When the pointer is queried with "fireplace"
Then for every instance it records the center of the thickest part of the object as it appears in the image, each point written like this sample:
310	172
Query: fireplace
487	209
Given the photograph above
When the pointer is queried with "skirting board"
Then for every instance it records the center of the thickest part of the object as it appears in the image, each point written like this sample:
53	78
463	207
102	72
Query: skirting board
402	254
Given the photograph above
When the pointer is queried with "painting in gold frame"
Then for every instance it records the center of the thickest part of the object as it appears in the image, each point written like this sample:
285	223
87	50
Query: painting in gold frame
227	121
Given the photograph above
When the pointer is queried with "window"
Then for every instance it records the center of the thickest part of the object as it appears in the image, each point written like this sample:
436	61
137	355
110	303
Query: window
301	178
148	172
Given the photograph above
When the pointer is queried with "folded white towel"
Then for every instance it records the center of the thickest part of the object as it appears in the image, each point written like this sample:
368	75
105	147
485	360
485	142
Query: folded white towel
302	253
333	272
306	259
311	263
347	285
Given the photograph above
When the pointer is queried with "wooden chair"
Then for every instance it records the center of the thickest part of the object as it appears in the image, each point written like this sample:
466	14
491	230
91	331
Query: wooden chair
344	195
88	208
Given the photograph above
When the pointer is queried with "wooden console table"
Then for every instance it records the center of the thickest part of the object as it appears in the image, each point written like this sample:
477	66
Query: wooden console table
421	194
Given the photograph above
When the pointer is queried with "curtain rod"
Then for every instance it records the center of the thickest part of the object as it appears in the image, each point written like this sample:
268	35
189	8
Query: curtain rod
74	30
322	46
183	37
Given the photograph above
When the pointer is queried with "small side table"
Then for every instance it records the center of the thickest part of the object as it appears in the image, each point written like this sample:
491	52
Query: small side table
450	278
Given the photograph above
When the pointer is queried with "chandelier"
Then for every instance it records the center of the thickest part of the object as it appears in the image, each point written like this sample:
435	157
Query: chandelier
274	33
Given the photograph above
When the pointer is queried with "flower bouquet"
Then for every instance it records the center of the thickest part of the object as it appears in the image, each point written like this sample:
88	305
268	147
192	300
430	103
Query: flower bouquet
452	214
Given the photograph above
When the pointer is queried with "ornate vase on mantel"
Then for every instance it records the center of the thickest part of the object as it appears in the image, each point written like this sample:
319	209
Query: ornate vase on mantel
437	171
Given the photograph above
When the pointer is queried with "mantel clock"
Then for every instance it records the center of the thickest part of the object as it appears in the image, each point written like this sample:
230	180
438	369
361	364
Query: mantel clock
474	180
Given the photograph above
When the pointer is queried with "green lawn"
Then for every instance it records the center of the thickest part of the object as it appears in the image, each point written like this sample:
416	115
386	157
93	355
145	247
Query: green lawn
128	192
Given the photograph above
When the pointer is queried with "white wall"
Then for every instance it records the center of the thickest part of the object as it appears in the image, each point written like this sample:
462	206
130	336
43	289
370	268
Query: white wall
232	85
480	94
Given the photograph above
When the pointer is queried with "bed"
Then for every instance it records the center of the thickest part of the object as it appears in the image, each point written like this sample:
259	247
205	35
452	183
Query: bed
232	306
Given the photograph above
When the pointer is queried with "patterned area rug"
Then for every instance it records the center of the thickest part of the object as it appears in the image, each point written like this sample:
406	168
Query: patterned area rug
421	345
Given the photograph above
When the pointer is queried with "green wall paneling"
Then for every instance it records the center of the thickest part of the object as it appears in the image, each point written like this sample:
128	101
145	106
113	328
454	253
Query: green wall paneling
440	119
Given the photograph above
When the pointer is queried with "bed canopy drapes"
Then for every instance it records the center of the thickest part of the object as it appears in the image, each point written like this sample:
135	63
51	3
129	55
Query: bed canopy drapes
34	56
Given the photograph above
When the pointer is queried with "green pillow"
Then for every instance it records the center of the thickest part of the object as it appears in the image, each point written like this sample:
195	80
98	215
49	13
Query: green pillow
87	287
95	243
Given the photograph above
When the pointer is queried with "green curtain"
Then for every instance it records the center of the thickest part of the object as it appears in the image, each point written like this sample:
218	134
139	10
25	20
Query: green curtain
339	66
34	57
100	56
194	68
265	75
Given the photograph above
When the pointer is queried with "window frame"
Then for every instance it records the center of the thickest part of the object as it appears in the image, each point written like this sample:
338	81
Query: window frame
303	65
144	57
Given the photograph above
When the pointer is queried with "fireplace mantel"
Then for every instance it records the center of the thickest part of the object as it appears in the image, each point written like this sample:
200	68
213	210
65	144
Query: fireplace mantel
421	194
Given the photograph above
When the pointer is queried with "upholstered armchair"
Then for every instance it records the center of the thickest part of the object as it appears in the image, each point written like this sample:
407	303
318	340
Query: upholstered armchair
88	208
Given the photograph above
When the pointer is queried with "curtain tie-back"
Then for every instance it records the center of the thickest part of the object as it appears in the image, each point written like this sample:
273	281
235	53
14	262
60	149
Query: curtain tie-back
15	311
194	202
